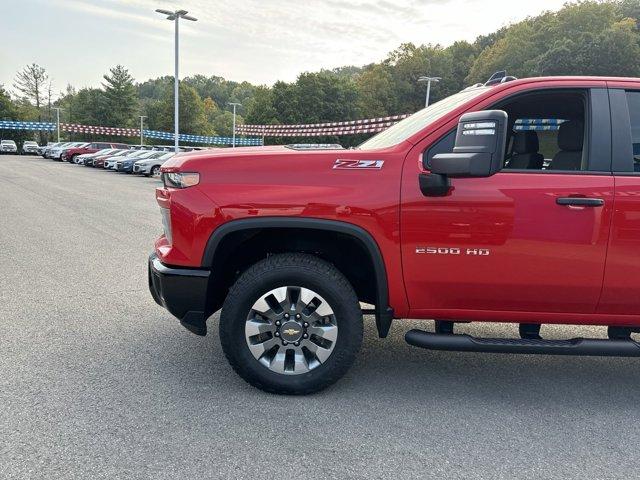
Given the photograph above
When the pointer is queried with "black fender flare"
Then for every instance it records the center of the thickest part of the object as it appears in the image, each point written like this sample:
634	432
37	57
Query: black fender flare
383	312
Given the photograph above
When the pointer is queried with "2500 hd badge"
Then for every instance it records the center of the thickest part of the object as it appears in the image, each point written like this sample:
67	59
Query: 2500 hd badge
480	252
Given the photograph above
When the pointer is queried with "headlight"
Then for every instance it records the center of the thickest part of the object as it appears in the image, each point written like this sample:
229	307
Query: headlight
180	180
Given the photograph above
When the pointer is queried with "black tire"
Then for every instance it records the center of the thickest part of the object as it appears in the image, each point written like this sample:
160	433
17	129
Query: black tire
155	170
300	270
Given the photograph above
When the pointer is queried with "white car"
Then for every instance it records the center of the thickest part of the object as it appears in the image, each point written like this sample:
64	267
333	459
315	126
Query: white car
56	153
29	146
55	146
8	146
151	166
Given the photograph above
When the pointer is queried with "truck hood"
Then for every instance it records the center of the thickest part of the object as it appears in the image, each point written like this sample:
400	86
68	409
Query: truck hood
193	160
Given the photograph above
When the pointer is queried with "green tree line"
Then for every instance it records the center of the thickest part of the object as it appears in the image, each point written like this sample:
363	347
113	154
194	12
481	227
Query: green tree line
583	38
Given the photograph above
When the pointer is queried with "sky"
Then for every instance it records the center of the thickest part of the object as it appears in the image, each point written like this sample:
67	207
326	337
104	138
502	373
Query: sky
260	41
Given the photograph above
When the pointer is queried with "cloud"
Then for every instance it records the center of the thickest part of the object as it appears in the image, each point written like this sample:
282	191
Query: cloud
256	40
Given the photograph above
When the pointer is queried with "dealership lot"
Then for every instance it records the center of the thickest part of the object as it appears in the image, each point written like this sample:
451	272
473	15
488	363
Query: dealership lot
97	381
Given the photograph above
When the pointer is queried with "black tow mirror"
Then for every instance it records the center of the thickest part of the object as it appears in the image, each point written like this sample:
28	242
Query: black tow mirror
478	152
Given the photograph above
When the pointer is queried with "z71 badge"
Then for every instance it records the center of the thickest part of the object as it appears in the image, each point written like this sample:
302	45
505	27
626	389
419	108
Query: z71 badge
353	164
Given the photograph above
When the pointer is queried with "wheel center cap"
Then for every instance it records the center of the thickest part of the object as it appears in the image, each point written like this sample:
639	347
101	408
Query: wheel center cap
291	331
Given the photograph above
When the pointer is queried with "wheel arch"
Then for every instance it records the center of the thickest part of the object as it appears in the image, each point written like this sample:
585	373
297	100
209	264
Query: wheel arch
227	238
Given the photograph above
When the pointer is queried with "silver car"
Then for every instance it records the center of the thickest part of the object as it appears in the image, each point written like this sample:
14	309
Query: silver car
151	166
55	146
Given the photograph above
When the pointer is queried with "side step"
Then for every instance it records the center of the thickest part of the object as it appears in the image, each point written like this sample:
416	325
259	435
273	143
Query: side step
576	346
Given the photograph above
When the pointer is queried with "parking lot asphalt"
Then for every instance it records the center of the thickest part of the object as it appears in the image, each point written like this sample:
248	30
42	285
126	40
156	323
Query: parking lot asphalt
97	381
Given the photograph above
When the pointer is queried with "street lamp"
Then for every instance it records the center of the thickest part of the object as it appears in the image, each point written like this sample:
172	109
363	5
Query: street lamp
142	117
429	80
175	17
57	109
234	121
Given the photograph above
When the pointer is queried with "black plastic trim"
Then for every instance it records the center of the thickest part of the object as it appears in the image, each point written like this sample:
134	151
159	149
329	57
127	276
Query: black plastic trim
576	346
384	313
183	292
580	201
621	148
599	120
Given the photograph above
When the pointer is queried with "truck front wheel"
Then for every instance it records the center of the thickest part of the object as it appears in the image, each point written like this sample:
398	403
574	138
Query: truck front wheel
291	324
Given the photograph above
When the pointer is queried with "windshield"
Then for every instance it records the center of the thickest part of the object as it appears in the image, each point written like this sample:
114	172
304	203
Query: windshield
419	120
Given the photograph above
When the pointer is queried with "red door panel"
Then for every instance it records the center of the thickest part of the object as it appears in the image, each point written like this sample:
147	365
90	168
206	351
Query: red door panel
504	244
621	291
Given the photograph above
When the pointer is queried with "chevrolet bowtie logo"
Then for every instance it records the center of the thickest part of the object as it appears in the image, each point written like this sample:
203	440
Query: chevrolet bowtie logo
291	331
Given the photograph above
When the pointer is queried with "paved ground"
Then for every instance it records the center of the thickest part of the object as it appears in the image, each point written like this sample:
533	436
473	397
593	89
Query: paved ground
96	381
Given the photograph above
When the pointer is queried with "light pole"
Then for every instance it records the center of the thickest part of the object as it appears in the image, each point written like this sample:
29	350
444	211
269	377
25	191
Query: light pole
57	109
429	80
175	17
234	121
142	117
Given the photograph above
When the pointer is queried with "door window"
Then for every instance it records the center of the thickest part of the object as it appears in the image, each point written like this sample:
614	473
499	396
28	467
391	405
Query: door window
633	100
546	132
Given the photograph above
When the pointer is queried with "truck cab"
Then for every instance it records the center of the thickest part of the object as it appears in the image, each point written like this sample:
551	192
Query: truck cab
513	201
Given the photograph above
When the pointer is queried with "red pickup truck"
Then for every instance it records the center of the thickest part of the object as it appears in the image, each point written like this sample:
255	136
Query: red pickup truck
513	201
70	154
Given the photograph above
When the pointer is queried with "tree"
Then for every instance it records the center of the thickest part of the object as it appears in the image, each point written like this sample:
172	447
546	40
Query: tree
375	91
31	83
11	110
260	109
7	107
120	99
223	124
192	118
584	38
211	110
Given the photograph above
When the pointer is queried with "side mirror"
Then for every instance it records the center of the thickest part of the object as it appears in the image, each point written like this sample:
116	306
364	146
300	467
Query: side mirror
478	152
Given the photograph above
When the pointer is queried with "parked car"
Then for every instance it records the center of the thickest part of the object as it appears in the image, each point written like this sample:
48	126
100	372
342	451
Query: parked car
99	162
80	159
42	149
108	161
57	152
70	154
125	164
29	147
8	146
151	166
48	152
433	218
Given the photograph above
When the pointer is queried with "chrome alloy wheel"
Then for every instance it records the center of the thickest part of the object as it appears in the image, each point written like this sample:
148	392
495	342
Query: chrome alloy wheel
291	330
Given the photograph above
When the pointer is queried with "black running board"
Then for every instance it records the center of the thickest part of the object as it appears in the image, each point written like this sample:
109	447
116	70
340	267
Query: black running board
576	346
